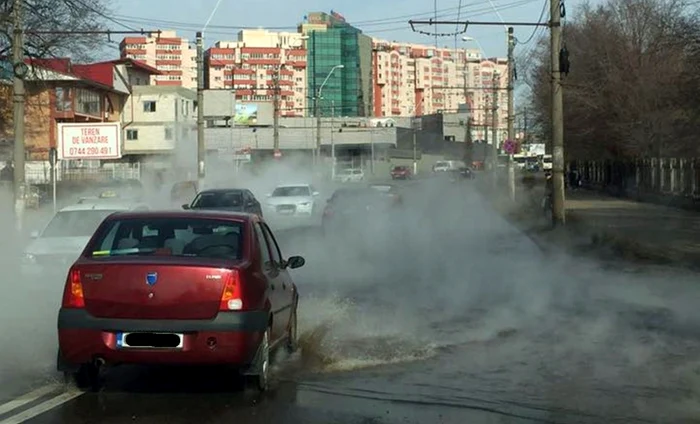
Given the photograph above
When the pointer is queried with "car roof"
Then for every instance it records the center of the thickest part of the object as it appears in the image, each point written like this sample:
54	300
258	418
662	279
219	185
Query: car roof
101	206
293	185
197	213
223	190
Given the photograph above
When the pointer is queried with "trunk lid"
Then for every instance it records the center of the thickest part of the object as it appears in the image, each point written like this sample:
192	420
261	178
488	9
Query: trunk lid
144	288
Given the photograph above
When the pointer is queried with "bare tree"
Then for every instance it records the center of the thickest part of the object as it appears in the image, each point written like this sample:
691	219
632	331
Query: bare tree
61	16
627	93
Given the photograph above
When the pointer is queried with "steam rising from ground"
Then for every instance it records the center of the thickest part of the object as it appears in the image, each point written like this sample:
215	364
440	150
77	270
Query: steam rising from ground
447	277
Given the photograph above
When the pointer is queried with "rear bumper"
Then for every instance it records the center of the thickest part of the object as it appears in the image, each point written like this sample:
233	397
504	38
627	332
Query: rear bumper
82	338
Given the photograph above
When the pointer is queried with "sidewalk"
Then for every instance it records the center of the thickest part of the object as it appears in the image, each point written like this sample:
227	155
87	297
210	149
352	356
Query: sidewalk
606	227
660	230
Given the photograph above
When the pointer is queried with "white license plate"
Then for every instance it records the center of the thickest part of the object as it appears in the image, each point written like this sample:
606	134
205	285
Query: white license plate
123	344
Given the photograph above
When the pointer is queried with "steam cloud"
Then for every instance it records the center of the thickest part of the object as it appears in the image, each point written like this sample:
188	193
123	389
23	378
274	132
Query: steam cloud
448	278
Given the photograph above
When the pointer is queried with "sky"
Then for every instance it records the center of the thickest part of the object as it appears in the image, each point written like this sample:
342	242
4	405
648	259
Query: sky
386	20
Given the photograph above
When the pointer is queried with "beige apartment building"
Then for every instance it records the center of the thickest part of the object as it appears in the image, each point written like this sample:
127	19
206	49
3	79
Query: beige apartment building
250	65
414	80
173	56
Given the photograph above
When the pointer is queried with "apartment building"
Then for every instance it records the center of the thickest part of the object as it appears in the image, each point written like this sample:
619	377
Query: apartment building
251	65
414	79
173	56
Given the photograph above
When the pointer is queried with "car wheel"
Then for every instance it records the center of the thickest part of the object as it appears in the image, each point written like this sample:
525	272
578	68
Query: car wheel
261	380
87	378
292	335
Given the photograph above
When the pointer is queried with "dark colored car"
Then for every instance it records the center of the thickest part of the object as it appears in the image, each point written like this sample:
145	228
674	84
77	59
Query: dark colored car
352	208
232	200
462	173
400	172
390	191
183	287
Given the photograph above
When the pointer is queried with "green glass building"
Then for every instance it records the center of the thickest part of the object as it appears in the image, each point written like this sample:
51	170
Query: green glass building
332	42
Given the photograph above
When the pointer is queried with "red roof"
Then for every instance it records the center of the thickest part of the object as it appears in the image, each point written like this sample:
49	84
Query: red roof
100	73
137	64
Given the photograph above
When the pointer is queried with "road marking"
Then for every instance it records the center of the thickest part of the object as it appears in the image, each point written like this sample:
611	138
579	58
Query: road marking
30	397
41	408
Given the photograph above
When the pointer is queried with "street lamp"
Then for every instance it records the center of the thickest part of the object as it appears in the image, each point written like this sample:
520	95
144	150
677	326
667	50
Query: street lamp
317	98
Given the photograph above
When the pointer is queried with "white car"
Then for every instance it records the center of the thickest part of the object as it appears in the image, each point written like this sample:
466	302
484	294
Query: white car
350	175
56	247
292	201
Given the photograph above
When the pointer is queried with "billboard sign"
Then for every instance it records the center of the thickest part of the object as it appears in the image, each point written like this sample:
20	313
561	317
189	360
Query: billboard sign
100	140
246	114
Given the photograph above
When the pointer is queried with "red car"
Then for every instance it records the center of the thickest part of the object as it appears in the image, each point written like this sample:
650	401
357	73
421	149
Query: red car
400	172
185	287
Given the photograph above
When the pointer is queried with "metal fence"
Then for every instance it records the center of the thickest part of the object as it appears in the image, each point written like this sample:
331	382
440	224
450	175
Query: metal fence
667	177
39	172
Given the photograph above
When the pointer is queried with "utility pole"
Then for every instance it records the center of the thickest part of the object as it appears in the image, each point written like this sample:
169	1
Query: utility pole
201	148
276	118
18	113
332	141
558	195
318	127
494	127
511	111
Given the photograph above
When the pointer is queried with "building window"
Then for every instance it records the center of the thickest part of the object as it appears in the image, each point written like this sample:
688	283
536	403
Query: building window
63	100
168	133
87	102
149	106
132	134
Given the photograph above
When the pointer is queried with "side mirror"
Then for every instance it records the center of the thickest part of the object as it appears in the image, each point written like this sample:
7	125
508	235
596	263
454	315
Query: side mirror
186	206
34	234
268	195
316	193
295	262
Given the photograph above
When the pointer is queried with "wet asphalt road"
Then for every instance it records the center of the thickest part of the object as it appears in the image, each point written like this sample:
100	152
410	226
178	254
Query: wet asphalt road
447	315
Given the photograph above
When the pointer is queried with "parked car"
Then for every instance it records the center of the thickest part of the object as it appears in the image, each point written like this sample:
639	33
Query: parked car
350	175
401	172
224	199
179	287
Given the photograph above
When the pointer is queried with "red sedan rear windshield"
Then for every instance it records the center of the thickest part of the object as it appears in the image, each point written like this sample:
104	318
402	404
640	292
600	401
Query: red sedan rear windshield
192	237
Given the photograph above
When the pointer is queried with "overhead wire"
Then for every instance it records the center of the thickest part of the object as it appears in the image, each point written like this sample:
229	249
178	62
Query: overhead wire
476	9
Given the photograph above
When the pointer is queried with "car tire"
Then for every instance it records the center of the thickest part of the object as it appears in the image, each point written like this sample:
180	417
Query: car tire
260	381
292	333
87	378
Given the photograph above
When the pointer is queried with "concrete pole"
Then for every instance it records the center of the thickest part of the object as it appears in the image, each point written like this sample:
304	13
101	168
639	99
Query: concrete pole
494	128
558	195
19	96
276	117
201	147
511	111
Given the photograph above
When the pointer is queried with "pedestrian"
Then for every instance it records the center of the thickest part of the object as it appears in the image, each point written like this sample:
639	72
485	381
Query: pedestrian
8	172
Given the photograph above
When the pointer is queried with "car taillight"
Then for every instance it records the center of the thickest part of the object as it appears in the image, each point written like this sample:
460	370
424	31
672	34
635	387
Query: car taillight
231	296
73	296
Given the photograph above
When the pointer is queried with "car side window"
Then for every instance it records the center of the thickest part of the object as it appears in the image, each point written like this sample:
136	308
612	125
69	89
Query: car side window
274	247
262	243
